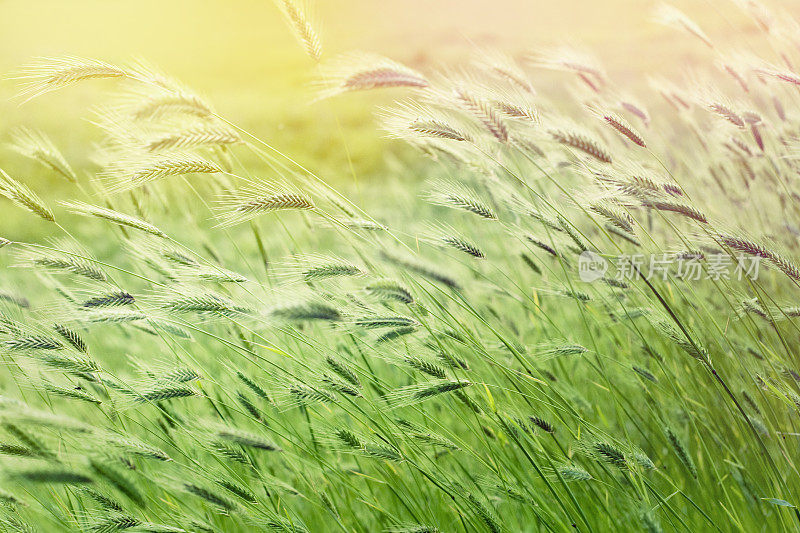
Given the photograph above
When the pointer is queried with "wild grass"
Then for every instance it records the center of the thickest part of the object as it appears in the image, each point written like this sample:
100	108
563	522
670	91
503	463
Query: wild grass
208	336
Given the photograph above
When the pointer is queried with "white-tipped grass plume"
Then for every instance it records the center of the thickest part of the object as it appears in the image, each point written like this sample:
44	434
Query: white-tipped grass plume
446	236
24	197
503	67
248	203
316	267
132	171
35	145
84	209
461	197
362	72
300	18
570	59
671	16
50	74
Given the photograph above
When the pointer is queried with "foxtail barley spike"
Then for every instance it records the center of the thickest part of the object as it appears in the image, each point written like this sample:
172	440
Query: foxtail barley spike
50	74
624	128
116	217
35	145
303	29
24	197
484	112
756	250
581	143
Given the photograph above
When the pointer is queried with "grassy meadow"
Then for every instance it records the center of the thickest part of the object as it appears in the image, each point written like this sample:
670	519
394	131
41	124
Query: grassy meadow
396	267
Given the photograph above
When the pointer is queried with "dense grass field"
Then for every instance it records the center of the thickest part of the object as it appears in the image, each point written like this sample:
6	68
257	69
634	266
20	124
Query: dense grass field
522	292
